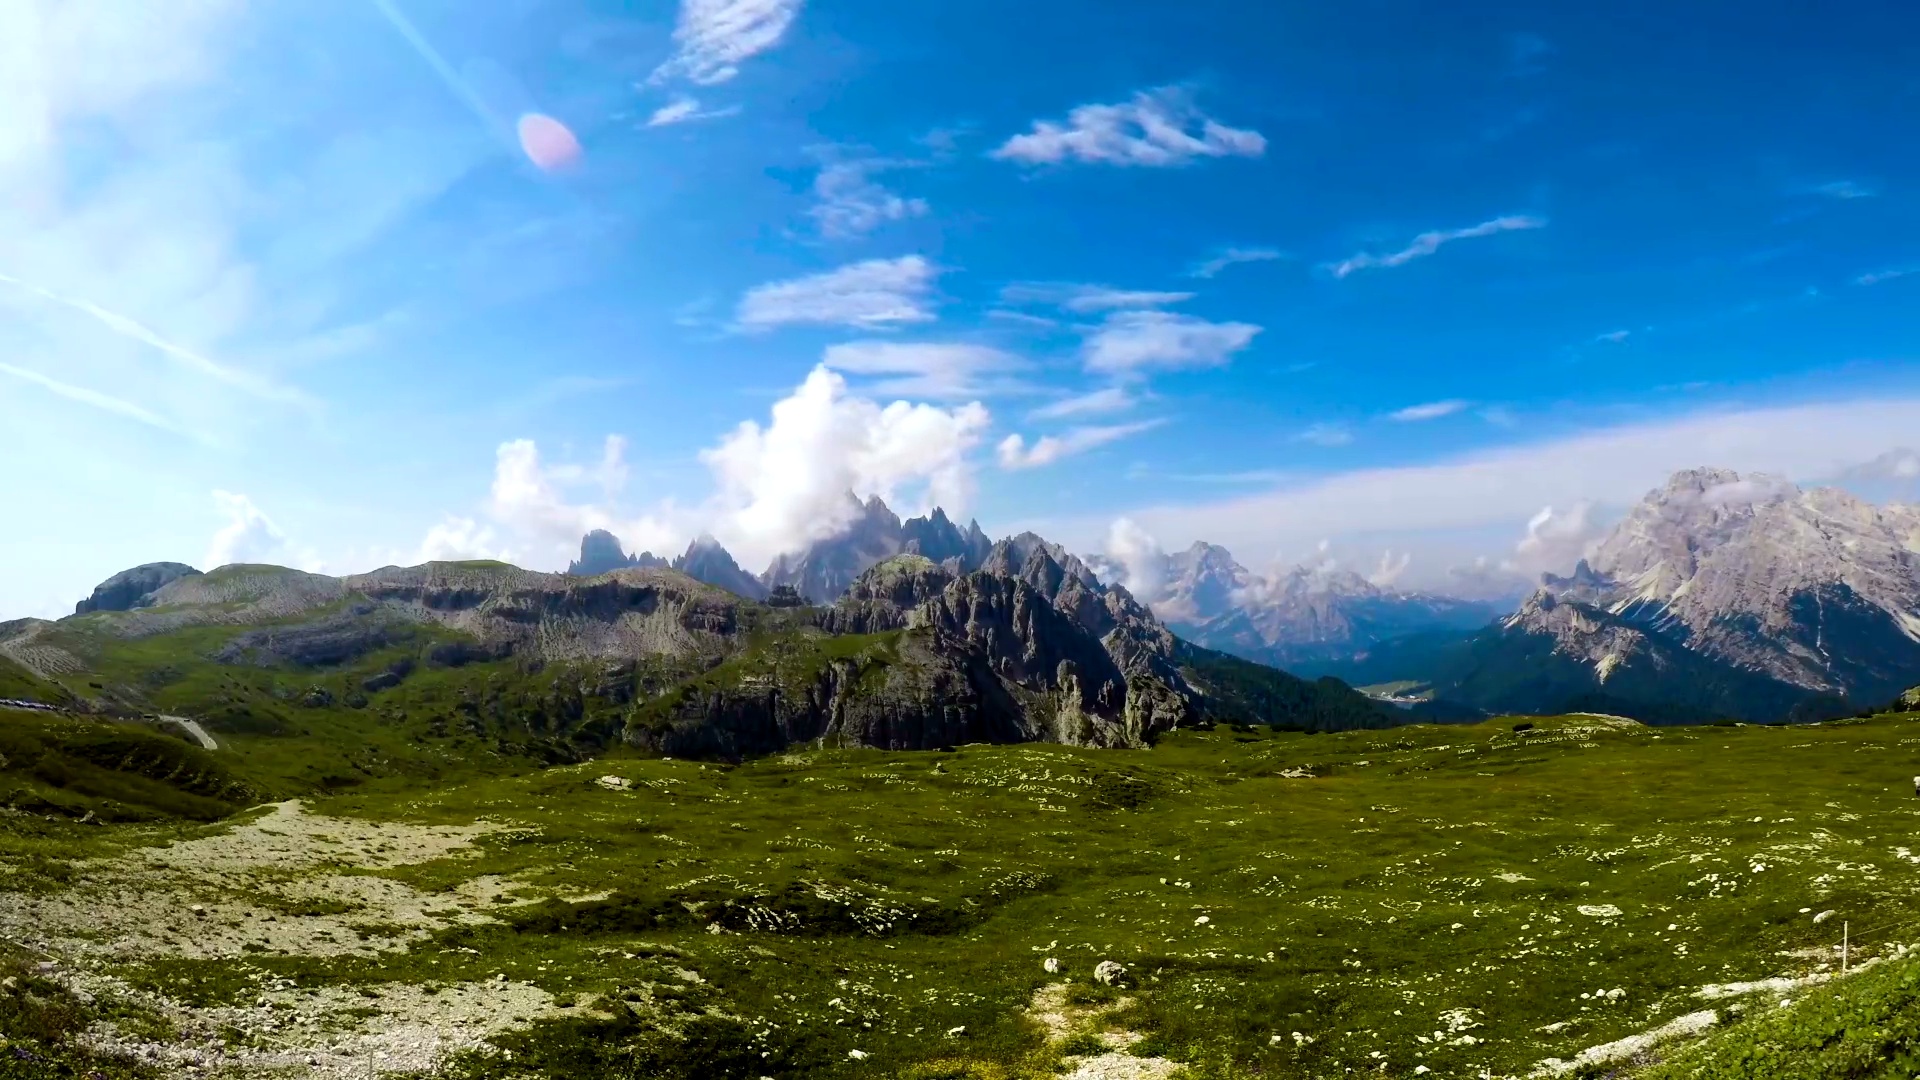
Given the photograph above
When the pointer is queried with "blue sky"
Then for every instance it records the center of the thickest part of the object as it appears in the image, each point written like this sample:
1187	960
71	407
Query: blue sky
281	283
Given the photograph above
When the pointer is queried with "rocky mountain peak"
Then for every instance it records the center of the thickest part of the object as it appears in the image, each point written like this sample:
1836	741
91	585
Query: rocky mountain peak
134	588
602	552
705	560
1817	588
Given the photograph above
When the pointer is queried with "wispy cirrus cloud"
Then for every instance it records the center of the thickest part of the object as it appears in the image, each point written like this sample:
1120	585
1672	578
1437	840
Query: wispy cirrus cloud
1155	129
1109	399
1326	434
714	37
1088	299
941	370
1614	337
685	109
1133	342
96	399
1846	189
850	203
1428	243
872	294
1878	276
1432	410
1015	453
1233	256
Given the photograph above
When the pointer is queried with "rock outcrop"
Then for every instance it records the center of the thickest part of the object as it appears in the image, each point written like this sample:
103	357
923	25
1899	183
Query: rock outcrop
133	588
601	552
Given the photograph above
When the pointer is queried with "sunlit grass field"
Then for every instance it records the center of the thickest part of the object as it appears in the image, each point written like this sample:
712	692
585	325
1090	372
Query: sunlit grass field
1449	901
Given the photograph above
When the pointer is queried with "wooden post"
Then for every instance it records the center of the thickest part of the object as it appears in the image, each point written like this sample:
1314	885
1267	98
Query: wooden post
1845	940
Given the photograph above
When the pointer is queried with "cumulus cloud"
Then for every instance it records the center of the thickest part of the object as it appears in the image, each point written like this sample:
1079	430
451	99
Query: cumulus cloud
1432	410
538	503
1156	128
1429	242
1392	567
849	203
1232	256
1014	453
873	294
1136	341
714	37
1748	490
926	369
1555	540
1108	399
458	539
1140	558
249	536
783	485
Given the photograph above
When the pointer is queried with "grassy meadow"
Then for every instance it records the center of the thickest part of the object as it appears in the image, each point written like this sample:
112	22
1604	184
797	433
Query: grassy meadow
1459	901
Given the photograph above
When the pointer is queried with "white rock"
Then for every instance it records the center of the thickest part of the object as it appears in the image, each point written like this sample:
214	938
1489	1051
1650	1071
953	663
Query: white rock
1051	965
615	783
1109	973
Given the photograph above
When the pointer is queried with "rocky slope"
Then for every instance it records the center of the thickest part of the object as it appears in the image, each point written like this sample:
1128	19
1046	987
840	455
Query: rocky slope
918	654
601	552
133	588
1817	588
1718	595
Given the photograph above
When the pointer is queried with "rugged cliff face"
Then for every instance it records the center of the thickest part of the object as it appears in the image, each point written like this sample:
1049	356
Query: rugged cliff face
133	588
1814	588
916	654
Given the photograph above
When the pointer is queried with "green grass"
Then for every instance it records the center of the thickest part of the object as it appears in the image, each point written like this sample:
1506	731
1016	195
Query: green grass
1366	889
1866	1028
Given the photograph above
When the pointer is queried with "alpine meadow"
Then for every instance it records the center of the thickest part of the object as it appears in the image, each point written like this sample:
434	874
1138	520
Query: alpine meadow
1043	540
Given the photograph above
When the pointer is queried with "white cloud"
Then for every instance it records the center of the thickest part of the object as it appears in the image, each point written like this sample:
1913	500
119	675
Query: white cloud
96	399
1556	540
1110	399
1846	189
785	484
924	369
714	37
1614	337
249	536
1432	410
459	539
873	294
1326	434
1140	556
532	501
851	204
1429	242
685	109
1392	567
1156	128
1212	267
1466	505
1014	453
1878	276
1133	341
1087	299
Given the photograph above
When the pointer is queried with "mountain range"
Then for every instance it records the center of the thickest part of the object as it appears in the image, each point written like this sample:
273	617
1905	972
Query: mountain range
1718	595
913	654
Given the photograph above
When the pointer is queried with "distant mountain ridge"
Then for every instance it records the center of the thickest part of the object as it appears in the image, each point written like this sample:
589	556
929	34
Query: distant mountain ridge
1717	596
821	572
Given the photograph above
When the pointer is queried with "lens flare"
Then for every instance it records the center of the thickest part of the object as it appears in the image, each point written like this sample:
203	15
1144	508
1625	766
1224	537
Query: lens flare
547	142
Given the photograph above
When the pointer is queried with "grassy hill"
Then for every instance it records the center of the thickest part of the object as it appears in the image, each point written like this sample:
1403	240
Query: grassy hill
1472	900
